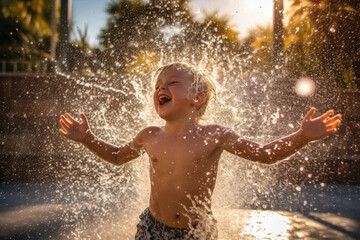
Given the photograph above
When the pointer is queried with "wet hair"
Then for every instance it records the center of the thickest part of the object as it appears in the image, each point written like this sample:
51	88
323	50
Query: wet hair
201	83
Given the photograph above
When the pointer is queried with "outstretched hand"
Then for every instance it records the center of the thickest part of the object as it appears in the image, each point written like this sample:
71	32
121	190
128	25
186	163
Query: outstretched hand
318	128
74	130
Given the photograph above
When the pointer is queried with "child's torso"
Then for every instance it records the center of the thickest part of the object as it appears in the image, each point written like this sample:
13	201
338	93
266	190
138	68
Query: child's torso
183	173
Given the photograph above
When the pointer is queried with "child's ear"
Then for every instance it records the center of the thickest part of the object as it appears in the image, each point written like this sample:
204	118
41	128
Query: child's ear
199	99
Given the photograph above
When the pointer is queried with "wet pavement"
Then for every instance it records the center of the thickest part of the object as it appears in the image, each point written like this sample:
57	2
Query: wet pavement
29	212
44	222
259	224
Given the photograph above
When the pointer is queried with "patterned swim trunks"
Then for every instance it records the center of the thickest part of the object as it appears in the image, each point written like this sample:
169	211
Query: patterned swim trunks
152	229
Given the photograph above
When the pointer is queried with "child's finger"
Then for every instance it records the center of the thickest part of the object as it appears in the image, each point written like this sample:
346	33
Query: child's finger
326	115
62	123
71	119
333	125
83	118
62	132
331	131
334	119
68	124
309	115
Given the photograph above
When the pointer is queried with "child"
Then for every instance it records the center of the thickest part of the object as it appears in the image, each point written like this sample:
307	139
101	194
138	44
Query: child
184	155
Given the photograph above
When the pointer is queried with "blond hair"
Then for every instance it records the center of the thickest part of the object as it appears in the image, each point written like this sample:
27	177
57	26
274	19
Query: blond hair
201	83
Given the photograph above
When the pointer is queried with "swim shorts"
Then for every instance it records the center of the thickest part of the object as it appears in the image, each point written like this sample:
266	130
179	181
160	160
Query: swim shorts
150	228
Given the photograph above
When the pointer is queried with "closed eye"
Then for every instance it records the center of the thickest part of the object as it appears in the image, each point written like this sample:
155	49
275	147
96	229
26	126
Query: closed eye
171	83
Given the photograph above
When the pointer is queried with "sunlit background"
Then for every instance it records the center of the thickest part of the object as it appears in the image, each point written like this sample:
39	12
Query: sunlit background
98	57
243	14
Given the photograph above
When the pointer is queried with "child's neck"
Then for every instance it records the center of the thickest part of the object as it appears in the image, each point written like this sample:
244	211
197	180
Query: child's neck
181	126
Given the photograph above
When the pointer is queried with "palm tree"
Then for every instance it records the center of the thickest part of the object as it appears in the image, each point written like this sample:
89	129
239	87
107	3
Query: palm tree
82	42
139	32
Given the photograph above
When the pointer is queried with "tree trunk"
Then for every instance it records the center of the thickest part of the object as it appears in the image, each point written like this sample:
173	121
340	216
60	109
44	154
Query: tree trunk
64	35
278	34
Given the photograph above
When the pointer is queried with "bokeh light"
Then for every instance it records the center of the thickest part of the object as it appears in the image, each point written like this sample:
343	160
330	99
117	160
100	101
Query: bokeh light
305	87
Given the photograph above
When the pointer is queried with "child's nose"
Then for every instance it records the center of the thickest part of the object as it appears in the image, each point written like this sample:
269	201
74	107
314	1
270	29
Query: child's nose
162	86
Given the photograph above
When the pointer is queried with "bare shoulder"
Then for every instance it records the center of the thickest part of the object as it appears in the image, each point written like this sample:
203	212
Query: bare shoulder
224	135
216	130
147	133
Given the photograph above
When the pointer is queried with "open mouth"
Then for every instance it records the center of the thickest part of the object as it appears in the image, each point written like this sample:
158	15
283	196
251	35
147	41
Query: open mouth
164	99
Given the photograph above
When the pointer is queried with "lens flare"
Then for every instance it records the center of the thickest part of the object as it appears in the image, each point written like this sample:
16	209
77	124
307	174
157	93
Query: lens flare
305	87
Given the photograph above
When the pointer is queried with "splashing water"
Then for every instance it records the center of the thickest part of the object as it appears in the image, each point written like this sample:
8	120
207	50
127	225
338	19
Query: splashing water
105	201
102	201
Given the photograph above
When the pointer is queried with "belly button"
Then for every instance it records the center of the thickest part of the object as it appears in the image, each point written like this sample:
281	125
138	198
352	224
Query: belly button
177	215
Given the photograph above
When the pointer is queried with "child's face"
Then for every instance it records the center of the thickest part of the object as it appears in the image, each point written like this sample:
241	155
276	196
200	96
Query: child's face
174	94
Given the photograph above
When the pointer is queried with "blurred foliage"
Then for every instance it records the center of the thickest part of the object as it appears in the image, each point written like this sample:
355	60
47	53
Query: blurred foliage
82	41
139	34
259	40
323	39
25	29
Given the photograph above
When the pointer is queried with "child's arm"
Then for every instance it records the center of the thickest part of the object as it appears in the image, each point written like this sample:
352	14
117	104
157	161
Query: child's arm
311	130
79	131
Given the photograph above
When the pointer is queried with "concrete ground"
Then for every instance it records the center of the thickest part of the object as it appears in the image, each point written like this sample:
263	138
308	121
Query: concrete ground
45	221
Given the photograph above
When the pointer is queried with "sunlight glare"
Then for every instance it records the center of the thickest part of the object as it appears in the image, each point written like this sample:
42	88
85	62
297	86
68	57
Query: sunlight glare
243	15
267	225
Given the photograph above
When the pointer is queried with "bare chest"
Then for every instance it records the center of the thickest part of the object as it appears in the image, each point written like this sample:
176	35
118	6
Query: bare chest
182	154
